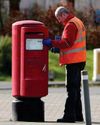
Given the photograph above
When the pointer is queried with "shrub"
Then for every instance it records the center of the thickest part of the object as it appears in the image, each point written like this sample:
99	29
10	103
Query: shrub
50	21
92	32
5	55
47	17
93	39
17	16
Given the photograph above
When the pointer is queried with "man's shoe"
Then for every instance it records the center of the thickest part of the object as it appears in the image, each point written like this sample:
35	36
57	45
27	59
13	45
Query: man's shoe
66	120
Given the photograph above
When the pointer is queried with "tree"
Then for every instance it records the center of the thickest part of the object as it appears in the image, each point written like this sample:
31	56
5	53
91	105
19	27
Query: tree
70	4
14	6
14	15
1	21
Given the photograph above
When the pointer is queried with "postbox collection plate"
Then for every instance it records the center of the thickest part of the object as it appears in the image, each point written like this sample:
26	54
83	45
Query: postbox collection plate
34	44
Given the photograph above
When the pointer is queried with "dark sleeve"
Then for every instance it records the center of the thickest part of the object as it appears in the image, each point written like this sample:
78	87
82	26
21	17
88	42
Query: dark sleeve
70	37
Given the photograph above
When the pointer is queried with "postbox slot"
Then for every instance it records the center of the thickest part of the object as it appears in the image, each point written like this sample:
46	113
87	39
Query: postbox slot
35	33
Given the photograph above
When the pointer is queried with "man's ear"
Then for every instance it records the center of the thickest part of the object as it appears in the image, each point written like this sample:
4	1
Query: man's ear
64	15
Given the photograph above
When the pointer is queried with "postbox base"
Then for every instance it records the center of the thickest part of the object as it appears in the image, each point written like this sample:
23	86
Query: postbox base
31	110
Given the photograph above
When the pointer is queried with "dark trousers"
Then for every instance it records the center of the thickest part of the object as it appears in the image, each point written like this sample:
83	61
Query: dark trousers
73	106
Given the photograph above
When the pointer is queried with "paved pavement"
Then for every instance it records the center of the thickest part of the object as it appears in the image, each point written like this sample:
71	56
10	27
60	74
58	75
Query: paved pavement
54	106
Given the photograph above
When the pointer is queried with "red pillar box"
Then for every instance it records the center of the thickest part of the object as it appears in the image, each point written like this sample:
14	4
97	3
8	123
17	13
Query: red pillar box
29	67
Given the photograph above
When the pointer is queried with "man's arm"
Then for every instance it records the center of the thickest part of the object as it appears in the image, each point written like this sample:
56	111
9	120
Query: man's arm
70	37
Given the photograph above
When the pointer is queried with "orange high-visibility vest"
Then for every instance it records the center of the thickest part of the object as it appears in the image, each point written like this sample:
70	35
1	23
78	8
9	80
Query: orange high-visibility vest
77	52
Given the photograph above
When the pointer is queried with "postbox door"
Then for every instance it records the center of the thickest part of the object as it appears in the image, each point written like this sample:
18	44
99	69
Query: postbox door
34	62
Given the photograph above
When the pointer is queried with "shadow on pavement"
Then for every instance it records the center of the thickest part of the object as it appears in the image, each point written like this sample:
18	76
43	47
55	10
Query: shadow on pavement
96	123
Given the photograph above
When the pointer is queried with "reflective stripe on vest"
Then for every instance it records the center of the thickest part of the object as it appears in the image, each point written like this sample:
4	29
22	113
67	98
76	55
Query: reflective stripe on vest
76	53
80	39
73	50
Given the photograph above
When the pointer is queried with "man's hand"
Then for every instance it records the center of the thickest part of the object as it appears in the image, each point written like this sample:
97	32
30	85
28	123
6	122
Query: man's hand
55	50
47	42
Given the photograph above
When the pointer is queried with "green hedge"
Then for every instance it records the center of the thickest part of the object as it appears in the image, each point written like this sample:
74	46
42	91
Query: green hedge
5	55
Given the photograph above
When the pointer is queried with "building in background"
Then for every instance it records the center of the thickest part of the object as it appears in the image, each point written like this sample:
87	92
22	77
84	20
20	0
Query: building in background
83	4
25	4
78	4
